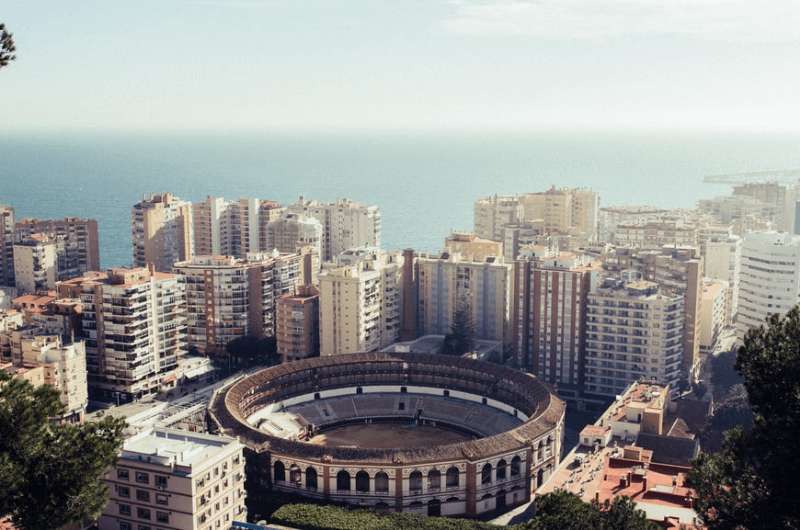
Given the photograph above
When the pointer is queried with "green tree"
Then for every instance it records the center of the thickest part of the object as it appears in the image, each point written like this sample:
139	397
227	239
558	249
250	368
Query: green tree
252	351
461	338
562	510
7	46
50	472
752	481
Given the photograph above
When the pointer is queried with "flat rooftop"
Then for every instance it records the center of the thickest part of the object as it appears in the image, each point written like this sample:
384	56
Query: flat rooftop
173	446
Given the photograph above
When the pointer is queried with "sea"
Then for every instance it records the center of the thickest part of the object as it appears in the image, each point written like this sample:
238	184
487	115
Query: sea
425	183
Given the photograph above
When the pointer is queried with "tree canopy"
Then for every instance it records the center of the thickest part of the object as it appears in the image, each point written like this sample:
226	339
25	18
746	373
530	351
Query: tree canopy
562	510
461	338
50	472
7	46
752	481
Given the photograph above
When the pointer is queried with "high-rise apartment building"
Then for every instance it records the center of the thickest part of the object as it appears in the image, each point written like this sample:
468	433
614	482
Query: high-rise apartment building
449	282
613	216
634	332
563	210
548	315
345	224
292	232
518	235
6	245
769	278
175	479
360	305
713	314
721	261
297	326
161	227
492	213
232	228
655	234
228	297
674	269
35	264
134	325
77	247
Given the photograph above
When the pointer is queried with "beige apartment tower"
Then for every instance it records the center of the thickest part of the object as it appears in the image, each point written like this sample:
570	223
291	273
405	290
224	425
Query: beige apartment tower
134	325
360	305
228	298
35	264
448	282
161	228
297	324
6	245
345	224
634	332
78	247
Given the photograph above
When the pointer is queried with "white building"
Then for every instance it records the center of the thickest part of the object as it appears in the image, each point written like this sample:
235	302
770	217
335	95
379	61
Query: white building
633	332
722	261
232	228
769	278
345	224
174	479
360	305
292	232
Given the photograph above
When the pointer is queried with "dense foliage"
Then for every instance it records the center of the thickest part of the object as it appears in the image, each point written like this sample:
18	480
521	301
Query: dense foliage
555	511
461	338
50	472
752	481
247	351
318	517
7	46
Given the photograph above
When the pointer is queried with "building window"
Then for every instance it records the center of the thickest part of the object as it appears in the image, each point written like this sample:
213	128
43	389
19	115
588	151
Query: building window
381	482
143	495
123	474
161	481
311	478
362	482
415	482
403	390
142	478
124	509
501	470
484	401
515	466
451	477
401	406
280	472
143	527
316	395
359	390
163	500
143	513
124	526
162	517
446	393
124	491
486	474
343	481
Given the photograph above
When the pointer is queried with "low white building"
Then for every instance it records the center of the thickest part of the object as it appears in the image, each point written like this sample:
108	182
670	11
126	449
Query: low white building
173	479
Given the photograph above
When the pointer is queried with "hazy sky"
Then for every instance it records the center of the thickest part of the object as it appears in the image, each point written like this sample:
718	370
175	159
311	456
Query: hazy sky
199	64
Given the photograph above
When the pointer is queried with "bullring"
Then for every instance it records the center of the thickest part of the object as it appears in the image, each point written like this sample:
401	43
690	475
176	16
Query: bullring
471	436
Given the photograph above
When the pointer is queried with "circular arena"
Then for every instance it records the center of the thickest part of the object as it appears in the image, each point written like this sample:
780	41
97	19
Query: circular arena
419	433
